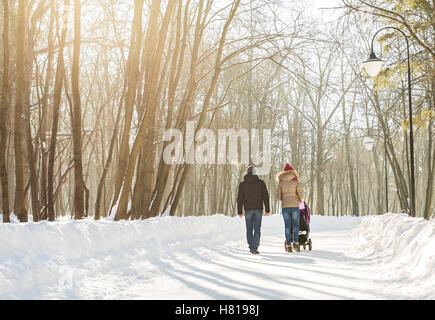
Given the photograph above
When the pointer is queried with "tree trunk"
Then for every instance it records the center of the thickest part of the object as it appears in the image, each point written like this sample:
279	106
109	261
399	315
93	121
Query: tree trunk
131	76
402	190
106	167
430	175
4	114
148	114
19	206
44	115
145	175
355	207
31	158
175	74
55	121
79	188
319	176
207	98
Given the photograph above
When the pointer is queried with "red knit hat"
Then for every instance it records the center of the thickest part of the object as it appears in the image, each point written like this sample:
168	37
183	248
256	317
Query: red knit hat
288	167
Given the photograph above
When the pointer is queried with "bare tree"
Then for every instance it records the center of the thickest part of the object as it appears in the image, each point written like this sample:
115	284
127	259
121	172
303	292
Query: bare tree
59	82
4	113
79	185
19	206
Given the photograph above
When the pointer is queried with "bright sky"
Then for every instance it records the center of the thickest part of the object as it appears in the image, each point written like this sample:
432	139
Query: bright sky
319	8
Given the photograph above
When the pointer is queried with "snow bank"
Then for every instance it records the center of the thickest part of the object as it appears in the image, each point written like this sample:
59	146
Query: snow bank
36	255
404	246
80	238
32	254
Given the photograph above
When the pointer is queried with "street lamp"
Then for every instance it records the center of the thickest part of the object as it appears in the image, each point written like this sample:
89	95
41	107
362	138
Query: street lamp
368	143
373	66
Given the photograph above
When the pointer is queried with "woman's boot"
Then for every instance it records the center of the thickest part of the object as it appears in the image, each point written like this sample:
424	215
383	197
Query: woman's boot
296	246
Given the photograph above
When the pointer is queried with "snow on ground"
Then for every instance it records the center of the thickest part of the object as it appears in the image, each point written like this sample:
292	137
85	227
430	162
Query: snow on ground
389	256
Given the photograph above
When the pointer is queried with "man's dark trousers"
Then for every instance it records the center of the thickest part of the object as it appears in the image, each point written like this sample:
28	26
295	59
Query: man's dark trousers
253	226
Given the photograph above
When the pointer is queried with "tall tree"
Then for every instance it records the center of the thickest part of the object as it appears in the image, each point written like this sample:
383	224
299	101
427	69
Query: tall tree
44	113
56	114
130	85
146	118
4	114
19	205
79	185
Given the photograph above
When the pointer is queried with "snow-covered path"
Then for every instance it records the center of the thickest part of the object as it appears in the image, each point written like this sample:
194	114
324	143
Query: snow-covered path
347	262
229	271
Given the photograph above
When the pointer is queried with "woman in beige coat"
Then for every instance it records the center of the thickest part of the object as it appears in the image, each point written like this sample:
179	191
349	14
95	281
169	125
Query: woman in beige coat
290	194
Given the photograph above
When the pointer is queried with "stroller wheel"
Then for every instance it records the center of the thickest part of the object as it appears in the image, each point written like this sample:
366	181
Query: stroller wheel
310	244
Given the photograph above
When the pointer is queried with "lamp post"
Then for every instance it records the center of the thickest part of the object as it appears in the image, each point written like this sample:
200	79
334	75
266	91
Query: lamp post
373	66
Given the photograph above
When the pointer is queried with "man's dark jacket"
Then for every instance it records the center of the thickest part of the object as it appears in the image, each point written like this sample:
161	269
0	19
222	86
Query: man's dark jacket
252	194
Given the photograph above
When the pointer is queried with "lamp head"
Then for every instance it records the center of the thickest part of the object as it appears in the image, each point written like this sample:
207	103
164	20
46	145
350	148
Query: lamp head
368	143
373	65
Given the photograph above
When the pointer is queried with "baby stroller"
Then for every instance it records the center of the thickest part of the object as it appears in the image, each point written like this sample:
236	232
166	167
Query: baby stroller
304	228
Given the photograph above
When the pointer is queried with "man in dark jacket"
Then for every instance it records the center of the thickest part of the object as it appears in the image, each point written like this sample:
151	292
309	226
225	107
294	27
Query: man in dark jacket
252	195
